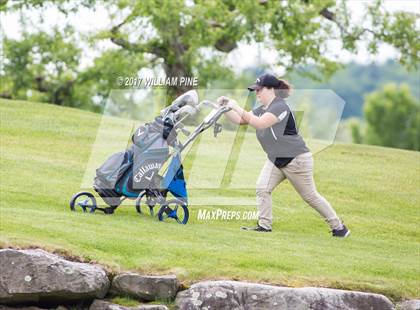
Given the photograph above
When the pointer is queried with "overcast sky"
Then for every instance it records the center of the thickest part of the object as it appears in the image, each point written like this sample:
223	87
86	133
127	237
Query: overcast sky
246	55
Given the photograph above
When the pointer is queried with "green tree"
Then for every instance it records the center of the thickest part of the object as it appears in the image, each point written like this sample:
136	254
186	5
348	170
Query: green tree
298	30
191	38
356	80
41	67
393	118
355	128
97	80
46	67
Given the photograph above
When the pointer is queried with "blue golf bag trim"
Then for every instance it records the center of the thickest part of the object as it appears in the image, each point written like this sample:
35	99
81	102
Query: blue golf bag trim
173	181
121	186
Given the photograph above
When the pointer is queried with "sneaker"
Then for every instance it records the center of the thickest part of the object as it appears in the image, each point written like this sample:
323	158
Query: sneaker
341	233
257	228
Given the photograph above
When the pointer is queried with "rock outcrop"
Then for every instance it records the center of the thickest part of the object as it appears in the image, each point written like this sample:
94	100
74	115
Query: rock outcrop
105	305
231	295
145	287
413	304
36	276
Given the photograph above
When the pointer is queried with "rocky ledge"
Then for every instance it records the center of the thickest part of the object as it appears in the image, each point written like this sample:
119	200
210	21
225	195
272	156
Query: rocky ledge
35	279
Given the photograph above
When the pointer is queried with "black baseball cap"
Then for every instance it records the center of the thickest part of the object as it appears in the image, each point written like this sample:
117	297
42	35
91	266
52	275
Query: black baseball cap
265	80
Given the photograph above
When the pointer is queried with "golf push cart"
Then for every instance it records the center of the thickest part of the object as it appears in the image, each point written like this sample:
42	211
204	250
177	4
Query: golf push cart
136	172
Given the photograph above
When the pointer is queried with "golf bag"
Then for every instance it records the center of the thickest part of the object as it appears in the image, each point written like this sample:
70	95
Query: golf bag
128	173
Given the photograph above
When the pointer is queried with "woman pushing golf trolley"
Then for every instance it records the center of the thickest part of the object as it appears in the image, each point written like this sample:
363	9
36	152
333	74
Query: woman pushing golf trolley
135	172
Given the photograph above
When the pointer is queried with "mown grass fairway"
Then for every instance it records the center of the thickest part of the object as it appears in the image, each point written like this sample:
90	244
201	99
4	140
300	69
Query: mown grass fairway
44	153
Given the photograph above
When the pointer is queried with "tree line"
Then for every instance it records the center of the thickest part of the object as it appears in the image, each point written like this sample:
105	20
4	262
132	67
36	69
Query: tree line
190	38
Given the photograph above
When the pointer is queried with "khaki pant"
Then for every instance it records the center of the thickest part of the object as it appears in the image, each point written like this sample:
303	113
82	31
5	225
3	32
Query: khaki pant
300	174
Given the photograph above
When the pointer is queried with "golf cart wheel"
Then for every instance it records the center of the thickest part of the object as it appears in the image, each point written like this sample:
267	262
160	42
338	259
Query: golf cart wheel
174	209
83	201
148	202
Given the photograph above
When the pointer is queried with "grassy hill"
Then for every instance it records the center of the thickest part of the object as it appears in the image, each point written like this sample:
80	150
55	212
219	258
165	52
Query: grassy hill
45	150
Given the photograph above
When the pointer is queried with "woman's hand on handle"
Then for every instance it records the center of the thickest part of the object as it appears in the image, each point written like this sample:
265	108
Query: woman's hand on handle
232	104
224	101
239	116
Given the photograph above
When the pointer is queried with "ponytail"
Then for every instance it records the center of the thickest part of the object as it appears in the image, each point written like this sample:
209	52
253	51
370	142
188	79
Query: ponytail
284	89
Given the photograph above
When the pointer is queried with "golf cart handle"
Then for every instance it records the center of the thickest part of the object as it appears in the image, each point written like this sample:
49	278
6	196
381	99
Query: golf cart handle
212	119
215	114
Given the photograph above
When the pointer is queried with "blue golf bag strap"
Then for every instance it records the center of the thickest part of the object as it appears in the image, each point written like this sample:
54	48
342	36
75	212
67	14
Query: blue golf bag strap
174	179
